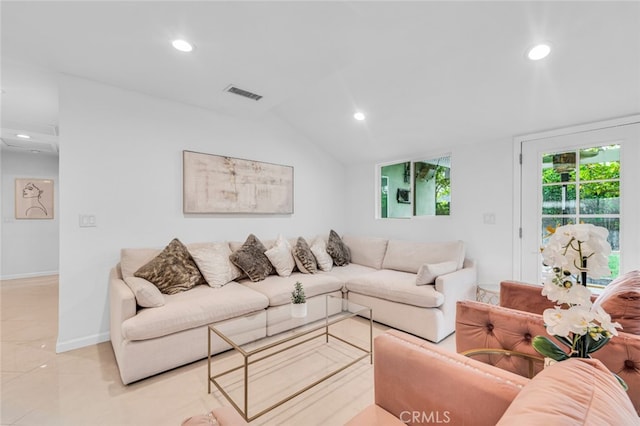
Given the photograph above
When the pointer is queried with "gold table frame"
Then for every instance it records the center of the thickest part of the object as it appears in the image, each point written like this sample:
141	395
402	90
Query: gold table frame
485	351
307	329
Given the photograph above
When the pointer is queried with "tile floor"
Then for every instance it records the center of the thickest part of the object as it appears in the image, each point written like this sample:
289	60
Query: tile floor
83	387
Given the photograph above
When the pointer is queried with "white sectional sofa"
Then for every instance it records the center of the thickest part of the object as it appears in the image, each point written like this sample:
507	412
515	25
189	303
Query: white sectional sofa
382	275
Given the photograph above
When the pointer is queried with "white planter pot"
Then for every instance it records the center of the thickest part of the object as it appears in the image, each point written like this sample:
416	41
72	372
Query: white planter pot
299	310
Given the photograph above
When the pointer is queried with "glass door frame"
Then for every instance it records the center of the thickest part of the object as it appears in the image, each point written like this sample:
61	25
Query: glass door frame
517	258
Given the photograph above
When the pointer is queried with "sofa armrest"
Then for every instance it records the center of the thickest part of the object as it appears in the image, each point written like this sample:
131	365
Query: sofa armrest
459	285
374	415
122	305
415	379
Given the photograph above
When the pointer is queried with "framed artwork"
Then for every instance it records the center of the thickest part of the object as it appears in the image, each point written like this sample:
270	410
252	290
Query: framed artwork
34	198
218	184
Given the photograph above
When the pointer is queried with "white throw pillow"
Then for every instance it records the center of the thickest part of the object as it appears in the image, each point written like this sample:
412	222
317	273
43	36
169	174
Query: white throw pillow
280	257
214	264
428	272
319	250
147	294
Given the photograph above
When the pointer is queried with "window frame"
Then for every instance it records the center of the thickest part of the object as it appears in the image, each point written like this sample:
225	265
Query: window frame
411	160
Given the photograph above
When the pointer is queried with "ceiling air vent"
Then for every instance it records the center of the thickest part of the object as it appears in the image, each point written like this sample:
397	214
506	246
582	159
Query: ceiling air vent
245	93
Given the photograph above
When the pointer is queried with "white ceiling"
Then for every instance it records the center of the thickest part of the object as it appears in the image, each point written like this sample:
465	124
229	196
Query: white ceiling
427	74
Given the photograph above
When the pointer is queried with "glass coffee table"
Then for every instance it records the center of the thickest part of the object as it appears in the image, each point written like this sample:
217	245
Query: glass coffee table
267	374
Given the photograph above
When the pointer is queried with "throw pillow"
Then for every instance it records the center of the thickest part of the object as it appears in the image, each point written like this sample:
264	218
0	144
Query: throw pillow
252	260
147	294
621	300
280	257
428	272
576	391
338	250
173	270
304	257
319	250
131	259
213	261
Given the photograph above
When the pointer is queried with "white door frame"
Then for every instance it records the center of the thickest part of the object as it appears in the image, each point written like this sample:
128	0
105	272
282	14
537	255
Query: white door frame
517	174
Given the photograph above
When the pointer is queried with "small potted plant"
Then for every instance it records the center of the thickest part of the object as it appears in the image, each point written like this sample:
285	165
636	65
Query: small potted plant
298	301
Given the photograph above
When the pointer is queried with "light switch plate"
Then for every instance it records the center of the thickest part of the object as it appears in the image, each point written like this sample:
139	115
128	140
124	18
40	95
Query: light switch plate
87	220
489	218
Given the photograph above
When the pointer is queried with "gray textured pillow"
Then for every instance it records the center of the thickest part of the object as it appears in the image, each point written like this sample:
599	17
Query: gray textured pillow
252	260
338	250
304	258
173	270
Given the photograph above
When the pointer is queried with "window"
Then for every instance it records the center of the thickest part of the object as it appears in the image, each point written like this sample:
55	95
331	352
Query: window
415	188
583	186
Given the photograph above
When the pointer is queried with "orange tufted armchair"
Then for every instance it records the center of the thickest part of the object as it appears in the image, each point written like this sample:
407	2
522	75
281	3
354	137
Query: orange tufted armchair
512	327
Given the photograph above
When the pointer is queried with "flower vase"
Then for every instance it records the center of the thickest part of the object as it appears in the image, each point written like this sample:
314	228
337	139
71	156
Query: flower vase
299	310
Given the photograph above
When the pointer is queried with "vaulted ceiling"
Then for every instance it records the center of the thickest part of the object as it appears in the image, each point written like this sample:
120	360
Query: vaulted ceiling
427	74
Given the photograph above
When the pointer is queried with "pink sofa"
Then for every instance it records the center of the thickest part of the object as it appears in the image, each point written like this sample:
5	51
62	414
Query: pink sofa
511	327
418	383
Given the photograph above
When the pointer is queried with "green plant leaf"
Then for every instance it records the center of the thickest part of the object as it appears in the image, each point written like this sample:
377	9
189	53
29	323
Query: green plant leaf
566	341
547	348
595	345
622	382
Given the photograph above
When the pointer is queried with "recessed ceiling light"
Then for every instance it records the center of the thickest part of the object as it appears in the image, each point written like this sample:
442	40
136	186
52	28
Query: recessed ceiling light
538	52
23	136
182	45
359	116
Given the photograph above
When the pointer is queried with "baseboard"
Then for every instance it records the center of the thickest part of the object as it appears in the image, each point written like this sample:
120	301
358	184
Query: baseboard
81	342
27	275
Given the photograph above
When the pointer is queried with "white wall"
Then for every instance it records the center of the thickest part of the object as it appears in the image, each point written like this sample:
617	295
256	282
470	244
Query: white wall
29	247
481	182
121	160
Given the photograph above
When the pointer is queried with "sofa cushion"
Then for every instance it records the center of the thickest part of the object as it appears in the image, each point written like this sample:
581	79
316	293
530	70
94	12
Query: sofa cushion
280	257
408	256
338	250
319	250
147	295
200	306
214	264
428	272
572	392
397	287
304	258
621	300
131	259
173	270
348	271
366	251
252	260
278	289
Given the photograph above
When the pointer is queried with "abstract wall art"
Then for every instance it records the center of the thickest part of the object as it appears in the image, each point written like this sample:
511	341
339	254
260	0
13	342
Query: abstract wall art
219	184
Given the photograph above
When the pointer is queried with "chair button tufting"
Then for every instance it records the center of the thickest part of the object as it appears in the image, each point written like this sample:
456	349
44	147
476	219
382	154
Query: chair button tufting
527	337
629	364
490	327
